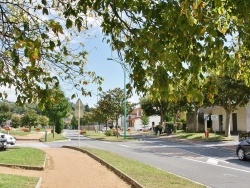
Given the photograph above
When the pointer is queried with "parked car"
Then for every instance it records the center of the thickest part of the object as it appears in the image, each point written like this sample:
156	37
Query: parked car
243	149
3	143
10	139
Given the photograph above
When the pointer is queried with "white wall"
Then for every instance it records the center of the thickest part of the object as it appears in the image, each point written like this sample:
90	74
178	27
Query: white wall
243	118
248	117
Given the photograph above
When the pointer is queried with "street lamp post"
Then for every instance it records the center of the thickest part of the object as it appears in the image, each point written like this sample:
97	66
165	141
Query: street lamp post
125	107
124	94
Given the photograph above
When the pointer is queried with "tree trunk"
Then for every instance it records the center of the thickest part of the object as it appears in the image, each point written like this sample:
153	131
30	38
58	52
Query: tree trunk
196	119
161	111
227	123
117	132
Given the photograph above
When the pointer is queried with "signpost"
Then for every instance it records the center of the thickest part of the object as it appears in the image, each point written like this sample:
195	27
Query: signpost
78	112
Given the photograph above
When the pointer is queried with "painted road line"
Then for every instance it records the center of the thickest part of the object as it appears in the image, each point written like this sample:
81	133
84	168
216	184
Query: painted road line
124	145
212	161
231	168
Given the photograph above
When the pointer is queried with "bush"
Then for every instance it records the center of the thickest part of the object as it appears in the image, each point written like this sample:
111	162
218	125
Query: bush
158	128
25	130
179	125
109	133
83	131
112	132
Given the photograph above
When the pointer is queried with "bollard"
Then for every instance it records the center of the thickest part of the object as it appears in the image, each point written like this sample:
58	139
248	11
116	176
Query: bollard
46	136
206	134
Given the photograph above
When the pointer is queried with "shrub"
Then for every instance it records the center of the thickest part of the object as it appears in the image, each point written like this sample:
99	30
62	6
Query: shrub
179	125
83	131
158	128
25	130
109	133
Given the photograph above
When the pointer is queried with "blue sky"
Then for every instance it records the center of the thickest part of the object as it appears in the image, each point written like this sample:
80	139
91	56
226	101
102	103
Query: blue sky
112	72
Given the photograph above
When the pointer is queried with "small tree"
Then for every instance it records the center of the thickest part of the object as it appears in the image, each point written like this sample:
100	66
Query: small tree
15	120
111	104
74	122
43	121
57	110
144	119
30	118
5	113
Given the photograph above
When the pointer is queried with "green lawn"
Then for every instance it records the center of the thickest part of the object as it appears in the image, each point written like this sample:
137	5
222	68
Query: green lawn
23	156
50	138
201	136
14	181
147	176
16	132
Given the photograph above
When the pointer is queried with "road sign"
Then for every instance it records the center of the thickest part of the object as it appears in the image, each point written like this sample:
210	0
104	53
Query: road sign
79	108
214	117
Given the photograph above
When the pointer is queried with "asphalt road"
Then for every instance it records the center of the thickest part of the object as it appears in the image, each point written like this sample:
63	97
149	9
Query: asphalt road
208	164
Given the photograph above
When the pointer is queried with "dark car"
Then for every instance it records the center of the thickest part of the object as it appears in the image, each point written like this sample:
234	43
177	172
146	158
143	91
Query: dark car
243	149
3	143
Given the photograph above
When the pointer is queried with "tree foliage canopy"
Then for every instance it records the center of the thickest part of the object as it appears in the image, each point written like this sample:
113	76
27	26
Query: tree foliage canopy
165	43
5	113
36	53
111	105
169	42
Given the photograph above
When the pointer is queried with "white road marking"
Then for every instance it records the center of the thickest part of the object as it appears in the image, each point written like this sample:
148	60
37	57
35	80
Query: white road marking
105	142
212	161
231	168
230	175
124	145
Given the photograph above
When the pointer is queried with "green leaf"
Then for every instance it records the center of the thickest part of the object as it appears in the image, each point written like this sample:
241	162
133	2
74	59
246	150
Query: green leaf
69	23
44	2
52	45
45	11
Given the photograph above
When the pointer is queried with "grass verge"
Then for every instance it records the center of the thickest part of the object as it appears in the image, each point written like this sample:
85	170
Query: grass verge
14	181
147	176
201	136
23	156
102	136
15	132
50	138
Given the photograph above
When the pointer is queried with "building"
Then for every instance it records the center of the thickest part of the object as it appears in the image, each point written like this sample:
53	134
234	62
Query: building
214	119
133	120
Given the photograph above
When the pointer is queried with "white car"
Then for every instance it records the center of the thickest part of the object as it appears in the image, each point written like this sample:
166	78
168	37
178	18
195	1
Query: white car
10	139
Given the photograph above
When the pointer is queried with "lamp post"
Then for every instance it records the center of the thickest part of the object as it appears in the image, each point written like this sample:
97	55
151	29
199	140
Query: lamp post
124	94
